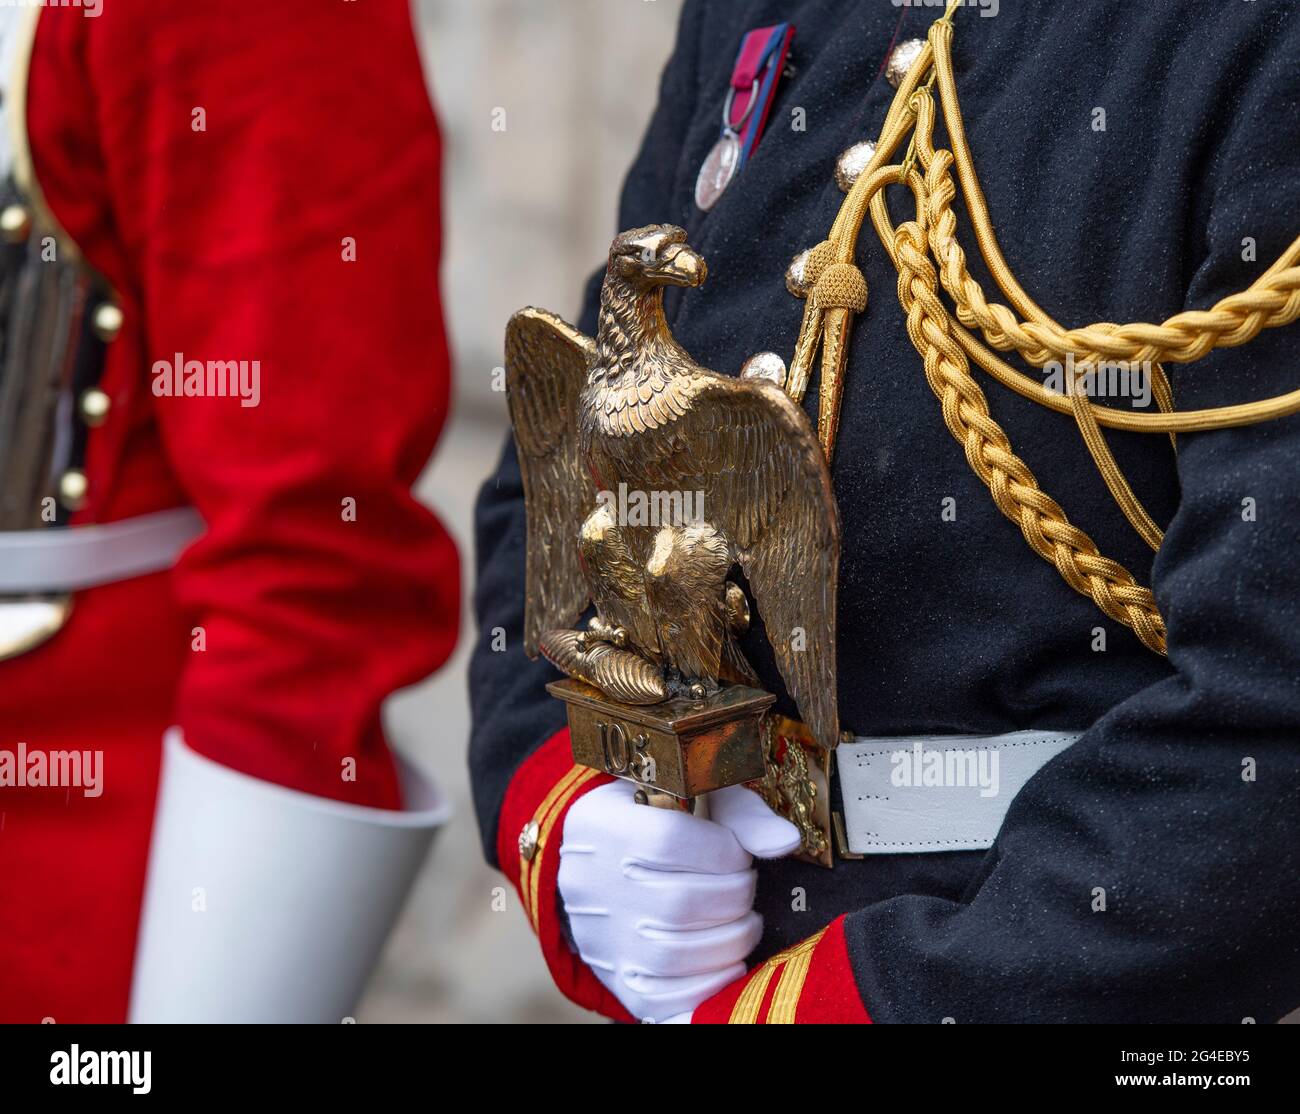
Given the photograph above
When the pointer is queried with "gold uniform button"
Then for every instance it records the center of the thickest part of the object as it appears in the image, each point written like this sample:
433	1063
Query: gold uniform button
851	163
796	275
108	322
15	223
72	489
764	365
528	841
95	405
902	60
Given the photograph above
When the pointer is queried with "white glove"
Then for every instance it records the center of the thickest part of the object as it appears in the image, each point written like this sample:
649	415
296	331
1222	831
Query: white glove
661	902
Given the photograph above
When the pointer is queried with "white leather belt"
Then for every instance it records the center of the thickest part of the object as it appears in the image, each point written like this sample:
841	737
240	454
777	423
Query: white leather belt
916	794
67	559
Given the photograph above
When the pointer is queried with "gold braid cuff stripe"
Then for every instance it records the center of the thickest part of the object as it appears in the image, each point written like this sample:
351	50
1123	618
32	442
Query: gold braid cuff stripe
793	964
548	812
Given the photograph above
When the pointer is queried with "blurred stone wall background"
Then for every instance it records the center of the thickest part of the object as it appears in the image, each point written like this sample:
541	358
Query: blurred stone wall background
531	210
528	213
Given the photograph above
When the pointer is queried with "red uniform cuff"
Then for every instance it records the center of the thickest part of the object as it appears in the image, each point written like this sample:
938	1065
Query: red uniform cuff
528	851
811	983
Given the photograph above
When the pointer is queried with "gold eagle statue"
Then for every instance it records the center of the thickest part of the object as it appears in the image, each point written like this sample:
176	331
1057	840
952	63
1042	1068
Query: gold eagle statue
733	465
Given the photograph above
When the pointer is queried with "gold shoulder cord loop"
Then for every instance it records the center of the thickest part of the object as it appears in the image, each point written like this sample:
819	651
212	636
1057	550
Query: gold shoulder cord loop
928	256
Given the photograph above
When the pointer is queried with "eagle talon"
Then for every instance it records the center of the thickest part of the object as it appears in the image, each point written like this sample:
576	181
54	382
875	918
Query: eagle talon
600	631
620	674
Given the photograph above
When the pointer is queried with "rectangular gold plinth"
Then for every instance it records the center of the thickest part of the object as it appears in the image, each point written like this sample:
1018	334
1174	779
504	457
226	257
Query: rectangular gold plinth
682	747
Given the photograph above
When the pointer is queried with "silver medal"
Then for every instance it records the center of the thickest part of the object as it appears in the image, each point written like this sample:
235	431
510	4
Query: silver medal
718	170
724	159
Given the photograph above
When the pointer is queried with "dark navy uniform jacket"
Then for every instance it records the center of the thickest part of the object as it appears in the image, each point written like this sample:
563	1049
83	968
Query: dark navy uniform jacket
951	627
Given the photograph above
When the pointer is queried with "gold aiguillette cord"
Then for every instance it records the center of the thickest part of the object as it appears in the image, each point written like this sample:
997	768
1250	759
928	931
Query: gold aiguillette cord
927	255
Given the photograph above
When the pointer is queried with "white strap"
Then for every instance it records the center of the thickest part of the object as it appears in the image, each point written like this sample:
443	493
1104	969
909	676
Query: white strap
937	793
265	905
68	559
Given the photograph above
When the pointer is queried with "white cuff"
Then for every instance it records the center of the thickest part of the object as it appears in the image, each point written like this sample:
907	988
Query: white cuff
263	904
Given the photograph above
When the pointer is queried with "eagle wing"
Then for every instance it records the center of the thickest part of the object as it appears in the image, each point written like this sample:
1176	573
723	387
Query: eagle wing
546	367
754	455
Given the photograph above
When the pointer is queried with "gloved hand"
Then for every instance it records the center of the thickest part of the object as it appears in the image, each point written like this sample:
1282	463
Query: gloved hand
661	903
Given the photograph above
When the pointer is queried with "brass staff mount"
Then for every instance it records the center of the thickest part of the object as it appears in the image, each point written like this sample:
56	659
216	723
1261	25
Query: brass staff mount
722	473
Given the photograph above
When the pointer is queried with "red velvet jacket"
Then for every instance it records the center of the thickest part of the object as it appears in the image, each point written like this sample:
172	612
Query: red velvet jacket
227	242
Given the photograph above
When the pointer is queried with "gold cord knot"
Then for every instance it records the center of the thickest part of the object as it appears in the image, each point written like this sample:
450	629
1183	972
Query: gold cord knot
840	286
820	256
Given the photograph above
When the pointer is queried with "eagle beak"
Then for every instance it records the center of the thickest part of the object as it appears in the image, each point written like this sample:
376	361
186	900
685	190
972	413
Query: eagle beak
680	266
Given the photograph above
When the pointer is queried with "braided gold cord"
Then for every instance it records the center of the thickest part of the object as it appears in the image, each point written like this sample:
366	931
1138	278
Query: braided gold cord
1273	301
939	194
927	254
1013	486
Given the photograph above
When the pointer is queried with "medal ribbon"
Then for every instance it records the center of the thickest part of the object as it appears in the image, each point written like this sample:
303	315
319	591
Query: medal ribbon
758	68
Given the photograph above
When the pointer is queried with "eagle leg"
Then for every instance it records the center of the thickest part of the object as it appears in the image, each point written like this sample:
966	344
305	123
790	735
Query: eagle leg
686	584
617	587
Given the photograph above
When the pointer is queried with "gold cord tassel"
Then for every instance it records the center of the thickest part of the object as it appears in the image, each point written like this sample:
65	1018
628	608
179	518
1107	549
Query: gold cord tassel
839	292
796	384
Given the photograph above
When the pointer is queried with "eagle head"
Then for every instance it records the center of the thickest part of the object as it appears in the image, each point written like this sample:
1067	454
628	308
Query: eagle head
656	255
